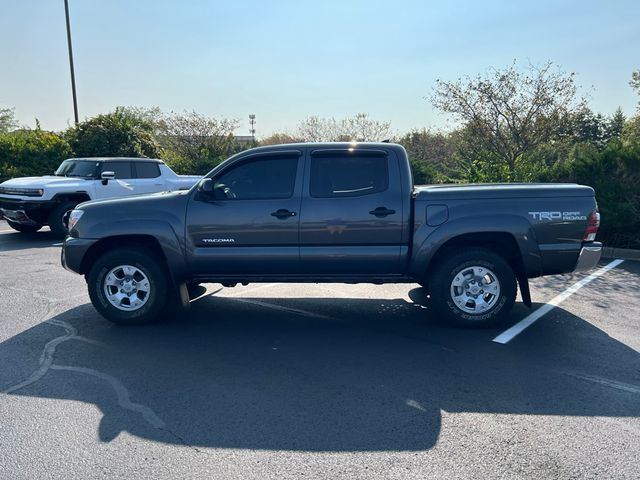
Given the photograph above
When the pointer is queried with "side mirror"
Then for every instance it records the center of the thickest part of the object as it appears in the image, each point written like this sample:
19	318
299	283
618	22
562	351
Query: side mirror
106	176
206	186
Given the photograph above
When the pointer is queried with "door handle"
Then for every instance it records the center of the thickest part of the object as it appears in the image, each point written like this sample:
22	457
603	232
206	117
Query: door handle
382	212
283	213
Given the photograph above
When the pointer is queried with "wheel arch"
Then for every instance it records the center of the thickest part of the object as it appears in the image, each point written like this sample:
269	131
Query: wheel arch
508	236
80	196
146	242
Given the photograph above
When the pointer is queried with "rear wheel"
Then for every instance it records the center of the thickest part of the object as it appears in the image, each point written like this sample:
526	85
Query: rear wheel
24	228
128	286
473	288
56	218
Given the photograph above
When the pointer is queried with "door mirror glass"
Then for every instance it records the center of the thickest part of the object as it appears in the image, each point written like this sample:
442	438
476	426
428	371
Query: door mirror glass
106	176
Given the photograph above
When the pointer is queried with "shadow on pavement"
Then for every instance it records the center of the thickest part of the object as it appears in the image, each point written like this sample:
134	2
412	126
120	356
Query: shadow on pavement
10	240
314	374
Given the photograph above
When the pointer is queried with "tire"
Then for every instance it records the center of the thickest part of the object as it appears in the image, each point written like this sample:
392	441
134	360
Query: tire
475	288
144	282
24	228
56	216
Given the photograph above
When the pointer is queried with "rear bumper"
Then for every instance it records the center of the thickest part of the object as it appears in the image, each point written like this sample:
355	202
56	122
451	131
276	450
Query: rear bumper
589	257
73	252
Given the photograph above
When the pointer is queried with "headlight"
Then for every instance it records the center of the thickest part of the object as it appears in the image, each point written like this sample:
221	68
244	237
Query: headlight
74	217
25	192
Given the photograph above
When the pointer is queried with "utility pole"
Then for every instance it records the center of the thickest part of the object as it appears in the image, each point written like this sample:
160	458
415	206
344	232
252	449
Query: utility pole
73	75
252	130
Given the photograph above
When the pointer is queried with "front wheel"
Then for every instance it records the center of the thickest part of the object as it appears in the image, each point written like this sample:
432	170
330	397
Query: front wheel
128	286
56	218
473	288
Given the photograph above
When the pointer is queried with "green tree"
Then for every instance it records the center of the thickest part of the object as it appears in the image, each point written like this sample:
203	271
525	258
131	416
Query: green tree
359	128
31	153
279	138
510	112
631	131
614	173
635	83
121	133
193	143
430	154
615	124
7	120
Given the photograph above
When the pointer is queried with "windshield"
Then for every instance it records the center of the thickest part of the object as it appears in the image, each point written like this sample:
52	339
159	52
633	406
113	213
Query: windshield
78	168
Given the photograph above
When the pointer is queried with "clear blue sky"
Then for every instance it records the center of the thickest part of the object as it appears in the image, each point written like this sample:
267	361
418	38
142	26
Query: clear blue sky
285	60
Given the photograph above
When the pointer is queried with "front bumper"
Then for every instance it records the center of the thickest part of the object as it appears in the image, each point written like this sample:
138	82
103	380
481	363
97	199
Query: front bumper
25	212
589	256
73	253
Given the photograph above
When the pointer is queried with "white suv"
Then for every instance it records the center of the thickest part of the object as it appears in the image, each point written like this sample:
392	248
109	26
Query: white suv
29	203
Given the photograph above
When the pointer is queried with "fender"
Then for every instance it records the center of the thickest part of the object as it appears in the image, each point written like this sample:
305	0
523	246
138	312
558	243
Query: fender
428	240
162	231
81	195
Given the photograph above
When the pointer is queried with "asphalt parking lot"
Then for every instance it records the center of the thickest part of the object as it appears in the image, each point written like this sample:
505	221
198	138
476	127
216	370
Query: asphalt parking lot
313	381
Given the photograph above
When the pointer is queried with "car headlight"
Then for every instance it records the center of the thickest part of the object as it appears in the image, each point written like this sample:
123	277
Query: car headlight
74	217
25	192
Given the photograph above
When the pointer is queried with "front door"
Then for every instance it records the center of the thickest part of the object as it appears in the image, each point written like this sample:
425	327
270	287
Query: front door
249	224
121	186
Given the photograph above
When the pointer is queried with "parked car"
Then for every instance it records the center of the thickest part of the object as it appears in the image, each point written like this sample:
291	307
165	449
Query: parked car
331	212
28	203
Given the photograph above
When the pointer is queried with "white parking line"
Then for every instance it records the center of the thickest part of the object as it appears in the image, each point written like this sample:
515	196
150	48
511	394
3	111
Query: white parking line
510	334
626	387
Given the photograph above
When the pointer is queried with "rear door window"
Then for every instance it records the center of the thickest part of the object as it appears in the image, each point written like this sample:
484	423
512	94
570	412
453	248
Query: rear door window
348	175
147	170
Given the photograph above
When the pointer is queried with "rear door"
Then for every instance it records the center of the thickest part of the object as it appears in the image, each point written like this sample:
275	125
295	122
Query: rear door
148	179
351	220
250	226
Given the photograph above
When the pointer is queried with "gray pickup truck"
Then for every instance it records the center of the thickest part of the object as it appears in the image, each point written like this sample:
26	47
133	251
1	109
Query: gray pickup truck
331	212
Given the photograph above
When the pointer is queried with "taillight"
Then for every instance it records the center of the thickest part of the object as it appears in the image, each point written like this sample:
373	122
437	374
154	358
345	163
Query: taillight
592	227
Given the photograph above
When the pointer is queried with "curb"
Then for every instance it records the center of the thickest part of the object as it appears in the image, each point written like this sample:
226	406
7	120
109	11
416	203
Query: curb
623	253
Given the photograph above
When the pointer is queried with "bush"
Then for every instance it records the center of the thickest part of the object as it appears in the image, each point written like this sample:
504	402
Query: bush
614	173
122	133
26	153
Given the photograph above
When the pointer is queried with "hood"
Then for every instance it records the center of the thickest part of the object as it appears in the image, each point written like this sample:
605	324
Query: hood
41	182
130	215
150	200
